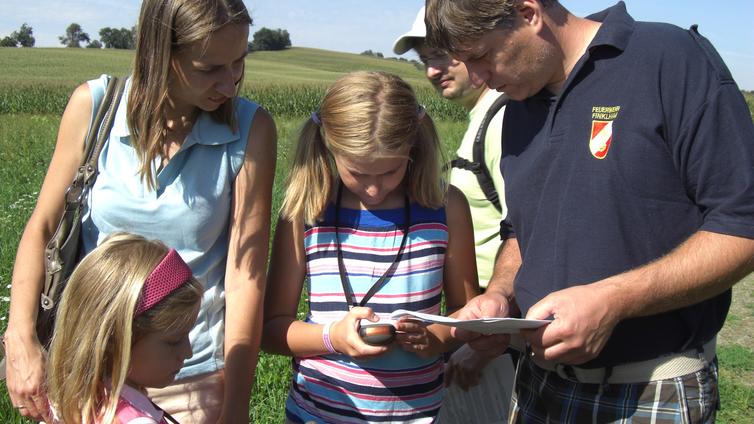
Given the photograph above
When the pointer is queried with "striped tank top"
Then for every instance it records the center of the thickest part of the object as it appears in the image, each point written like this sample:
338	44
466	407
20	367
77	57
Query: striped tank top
397	386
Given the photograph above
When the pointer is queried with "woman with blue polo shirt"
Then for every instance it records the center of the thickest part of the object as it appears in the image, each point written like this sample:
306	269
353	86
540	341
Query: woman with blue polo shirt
189	163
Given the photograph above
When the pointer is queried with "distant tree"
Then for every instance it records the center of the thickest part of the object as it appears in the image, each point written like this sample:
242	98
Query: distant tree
24	36
114	38
8	42
269	39
371	53
74	36
94	44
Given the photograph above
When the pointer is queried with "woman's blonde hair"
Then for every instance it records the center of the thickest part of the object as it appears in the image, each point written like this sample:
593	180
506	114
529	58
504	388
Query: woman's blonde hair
96	326
165	27
364	115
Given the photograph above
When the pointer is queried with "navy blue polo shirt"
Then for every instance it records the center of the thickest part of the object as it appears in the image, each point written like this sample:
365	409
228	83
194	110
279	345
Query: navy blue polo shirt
649	142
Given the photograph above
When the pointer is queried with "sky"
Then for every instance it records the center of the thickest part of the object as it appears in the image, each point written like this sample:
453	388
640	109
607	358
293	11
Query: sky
355	26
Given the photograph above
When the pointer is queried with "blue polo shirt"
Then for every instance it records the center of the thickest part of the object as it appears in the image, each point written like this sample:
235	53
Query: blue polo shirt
649	141
189	211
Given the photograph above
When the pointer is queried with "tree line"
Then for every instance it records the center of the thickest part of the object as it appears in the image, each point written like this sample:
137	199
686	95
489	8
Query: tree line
111	38
22	38
125	38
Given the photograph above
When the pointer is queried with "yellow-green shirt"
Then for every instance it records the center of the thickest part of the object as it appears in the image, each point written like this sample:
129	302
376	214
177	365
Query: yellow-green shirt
486	218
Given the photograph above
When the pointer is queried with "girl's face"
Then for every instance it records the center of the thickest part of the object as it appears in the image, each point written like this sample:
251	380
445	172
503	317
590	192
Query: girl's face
205	76
372	181
157	357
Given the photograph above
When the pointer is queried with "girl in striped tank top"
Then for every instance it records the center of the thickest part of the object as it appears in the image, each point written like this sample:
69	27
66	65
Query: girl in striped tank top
369	224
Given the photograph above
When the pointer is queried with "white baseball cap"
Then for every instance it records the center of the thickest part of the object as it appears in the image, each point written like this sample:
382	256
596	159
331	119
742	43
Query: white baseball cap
408	40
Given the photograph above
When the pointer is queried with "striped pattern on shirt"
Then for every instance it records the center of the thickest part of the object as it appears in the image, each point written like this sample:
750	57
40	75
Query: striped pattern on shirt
398	386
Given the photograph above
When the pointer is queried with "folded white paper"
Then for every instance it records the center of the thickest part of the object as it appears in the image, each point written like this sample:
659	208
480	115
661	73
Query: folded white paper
480	325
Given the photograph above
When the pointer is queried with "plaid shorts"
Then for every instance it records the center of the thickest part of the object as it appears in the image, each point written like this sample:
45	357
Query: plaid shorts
542	396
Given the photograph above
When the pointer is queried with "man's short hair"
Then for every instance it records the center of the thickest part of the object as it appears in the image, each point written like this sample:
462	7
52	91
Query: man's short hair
450	23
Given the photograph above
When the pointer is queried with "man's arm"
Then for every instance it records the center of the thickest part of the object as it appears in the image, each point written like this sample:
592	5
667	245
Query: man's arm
702	267
507	263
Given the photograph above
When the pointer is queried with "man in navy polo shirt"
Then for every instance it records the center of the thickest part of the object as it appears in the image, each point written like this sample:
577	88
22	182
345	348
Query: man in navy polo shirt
630	185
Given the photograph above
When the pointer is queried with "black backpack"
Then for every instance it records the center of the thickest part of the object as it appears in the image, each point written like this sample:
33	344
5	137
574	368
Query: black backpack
478	166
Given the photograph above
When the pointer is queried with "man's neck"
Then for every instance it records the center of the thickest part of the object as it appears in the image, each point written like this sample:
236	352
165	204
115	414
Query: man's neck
474	100
573	35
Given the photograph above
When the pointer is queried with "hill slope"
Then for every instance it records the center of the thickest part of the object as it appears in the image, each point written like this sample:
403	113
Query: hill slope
298	65
289	82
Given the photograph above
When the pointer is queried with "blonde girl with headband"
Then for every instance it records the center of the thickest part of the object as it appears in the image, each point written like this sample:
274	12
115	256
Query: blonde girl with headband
122	326
188	162
368	221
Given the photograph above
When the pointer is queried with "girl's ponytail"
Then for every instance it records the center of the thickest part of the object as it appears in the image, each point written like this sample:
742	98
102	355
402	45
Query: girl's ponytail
311	175
426	182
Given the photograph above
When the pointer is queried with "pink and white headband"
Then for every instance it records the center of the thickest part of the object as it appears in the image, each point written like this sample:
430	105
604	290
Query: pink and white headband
170	274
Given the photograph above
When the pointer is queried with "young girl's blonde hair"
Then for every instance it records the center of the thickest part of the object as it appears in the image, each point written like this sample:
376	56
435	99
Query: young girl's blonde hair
364	115
165	27
96	327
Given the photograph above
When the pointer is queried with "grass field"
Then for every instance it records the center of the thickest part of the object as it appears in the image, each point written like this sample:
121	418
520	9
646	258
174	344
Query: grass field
289	84
749	95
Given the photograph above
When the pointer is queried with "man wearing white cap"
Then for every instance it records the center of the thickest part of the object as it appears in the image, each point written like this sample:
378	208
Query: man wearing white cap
478	395
451	80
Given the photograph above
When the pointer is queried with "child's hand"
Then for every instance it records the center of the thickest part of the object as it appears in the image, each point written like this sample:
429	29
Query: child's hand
465	367
345	338
413	336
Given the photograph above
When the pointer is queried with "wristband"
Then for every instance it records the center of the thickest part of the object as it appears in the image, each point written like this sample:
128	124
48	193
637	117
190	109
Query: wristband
326	338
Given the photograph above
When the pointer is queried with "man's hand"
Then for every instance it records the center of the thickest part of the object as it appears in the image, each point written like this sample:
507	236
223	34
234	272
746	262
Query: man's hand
583	321
487	305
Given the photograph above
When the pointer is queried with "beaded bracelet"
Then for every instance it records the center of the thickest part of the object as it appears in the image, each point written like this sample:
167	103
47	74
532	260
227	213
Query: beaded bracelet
326	338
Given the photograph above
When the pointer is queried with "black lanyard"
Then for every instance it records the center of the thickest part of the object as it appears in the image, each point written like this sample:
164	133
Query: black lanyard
347	290
165	414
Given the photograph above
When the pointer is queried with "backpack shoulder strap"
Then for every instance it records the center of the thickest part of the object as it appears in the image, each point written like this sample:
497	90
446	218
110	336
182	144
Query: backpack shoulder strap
483	176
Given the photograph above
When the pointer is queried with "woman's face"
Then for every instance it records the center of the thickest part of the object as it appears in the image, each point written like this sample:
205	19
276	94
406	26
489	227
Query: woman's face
203	75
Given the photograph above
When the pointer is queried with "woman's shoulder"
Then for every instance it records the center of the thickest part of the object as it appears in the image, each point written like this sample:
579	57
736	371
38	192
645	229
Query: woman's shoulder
258	134
244	104
88	92
98	86
246	109
81	99
250	113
